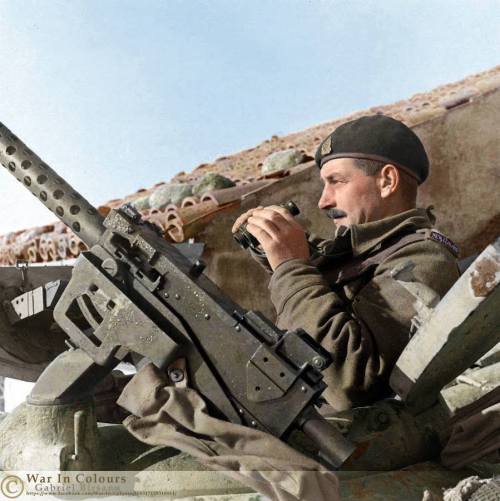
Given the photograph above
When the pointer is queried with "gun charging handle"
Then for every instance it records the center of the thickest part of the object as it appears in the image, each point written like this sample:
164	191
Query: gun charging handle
55	193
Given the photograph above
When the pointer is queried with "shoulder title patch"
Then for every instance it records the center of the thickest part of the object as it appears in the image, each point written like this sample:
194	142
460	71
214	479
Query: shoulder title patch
439	237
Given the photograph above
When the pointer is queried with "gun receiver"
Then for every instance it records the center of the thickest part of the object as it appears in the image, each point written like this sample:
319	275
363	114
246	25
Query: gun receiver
133	292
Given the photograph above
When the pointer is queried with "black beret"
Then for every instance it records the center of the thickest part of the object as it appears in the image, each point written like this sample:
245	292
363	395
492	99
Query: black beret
377	137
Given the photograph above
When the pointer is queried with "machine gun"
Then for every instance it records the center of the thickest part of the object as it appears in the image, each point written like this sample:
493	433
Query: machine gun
133	293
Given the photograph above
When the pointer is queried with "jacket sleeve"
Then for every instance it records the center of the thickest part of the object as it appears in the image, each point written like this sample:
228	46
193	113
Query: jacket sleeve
366	333
261	258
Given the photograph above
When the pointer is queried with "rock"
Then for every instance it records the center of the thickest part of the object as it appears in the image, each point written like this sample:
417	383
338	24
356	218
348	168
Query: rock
211	181
169	193
141	203
282	160
465	489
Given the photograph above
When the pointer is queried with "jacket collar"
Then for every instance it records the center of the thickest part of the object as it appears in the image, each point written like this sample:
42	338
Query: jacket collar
367	236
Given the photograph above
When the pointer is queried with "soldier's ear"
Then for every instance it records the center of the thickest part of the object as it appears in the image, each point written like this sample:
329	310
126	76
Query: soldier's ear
388	180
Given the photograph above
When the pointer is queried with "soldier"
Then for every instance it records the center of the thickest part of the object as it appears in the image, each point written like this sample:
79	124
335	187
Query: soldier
341	291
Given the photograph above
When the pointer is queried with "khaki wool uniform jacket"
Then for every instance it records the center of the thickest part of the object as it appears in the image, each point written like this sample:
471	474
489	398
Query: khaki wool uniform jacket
363	317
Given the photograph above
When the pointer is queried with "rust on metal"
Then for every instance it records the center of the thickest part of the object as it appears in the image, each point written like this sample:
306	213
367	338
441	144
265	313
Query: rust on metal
485	276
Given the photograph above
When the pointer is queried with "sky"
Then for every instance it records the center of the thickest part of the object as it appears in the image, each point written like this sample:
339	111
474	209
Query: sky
117	95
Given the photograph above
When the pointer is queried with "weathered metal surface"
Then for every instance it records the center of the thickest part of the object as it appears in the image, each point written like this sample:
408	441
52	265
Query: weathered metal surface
35	303
408	484
491	357
470	388
462	328
389	437
55	437
27	347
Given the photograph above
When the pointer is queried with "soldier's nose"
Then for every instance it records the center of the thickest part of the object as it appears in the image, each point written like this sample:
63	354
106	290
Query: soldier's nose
325	202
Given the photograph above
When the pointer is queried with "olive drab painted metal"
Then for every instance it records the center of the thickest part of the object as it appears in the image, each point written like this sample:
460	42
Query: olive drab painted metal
60	198
133	292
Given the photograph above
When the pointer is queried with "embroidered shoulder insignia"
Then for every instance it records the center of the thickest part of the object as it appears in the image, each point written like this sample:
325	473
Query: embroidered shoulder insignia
439	237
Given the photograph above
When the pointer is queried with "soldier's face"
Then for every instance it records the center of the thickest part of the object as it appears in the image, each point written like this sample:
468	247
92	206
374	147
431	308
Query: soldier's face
349	194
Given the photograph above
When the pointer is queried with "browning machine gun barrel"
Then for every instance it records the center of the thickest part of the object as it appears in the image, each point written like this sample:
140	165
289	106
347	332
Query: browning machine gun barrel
55	193
135	293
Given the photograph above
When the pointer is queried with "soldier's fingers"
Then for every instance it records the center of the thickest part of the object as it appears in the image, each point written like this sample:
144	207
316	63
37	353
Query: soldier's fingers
273	215
263	222
282	218
281	210
260	234
242	218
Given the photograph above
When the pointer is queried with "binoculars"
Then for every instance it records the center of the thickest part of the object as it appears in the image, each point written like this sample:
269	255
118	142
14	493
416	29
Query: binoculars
246	239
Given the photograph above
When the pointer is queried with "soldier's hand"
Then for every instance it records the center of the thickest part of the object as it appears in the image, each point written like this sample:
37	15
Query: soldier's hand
243	218
280	235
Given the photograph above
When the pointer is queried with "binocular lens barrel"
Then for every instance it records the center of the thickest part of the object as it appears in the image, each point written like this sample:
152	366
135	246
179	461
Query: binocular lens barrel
245	239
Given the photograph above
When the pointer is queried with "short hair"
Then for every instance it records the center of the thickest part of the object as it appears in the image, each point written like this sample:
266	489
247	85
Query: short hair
369	167
408	186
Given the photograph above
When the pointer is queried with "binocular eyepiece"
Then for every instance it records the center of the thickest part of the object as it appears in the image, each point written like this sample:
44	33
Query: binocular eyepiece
246	239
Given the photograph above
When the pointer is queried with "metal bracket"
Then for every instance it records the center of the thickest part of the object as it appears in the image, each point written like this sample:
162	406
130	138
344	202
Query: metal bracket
267	377
112	320
34	302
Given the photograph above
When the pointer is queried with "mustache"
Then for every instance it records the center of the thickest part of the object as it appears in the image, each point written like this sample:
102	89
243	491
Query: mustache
335	213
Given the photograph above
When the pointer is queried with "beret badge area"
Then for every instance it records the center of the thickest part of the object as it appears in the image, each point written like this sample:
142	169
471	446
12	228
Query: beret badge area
326	147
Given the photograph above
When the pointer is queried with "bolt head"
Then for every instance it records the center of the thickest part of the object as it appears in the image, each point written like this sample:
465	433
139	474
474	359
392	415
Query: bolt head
318	362
110	266
176	375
